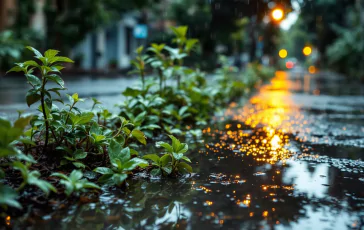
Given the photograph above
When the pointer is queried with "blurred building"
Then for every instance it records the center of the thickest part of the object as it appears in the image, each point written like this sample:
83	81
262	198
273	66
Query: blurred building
7	17
108	47
8	9
111	46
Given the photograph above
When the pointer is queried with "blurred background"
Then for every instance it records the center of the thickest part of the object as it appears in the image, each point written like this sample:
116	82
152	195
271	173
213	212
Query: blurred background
101	35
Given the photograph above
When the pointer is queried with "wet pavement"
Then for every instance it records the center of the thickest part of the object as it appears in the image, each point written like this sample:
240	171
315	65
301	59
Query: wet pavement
290	158
106	90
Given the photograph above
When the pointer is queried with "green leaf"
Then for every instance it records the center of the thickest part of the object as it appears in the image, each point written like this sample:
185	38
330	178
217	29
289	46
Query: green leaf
8	197
16	69
56	90
60	59
139	135
165	159
151	127
177	156
32	97
180	31
33	179
133	152
156	172
182	110
98	138
182	148
69	187
57	68
184	167
5	123
81	119
103	170
165	145
133	163
70	98
51	53
106	178
175	143
30	63
89	185
64	148
154	157
60	175
36	52
140	118
47	111
114	150
167	170
186	159
190	43
119	179
22	122
75	97
75	175
130	92
86	118
33	80
79	165
57	79
79	154
139	50
69	158
95	129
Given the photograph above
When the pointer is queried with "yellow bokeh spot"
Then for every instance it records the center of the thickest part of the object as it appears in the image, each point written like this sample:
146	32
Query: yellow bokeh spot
283	53
312	69
277	14
307	50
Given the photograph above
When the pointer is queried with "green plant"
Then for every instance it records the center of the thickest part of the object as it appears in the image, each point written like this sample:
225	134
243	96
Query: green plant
49	67
176	162
32	178
161	165
74	182
139	65
8	197
121	166
10	155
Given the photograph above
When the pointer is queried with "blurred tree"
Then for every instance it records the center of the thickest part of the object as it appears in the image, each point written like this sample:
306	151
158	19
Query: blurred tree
318	17
346	53
196	15
214	21
69	21
226	12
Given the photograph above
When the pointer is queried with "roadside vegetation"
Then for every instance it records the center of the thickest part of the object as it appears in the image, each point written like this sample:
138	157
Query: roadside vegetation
52	151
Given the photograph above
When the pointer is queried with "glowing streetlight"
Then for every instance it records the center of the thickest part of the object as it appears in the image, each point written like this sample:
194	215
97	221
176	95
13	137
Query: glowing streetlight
283	53
307	50
277	14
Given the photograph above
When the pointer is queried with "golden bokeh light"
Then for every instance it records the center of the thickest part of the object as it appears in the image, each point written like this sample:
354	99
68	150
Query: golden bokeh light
283	53
307	50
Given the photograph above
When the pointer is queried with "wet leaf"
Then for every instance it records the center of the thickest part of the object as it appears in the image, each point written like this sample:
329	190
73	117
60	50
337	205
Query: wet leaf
154	157
139	135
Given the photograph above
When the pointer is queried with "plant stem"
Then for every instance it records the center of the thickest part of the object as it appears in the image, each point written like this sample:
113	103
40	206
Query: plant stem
160	73
180	63
142	75
44	114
